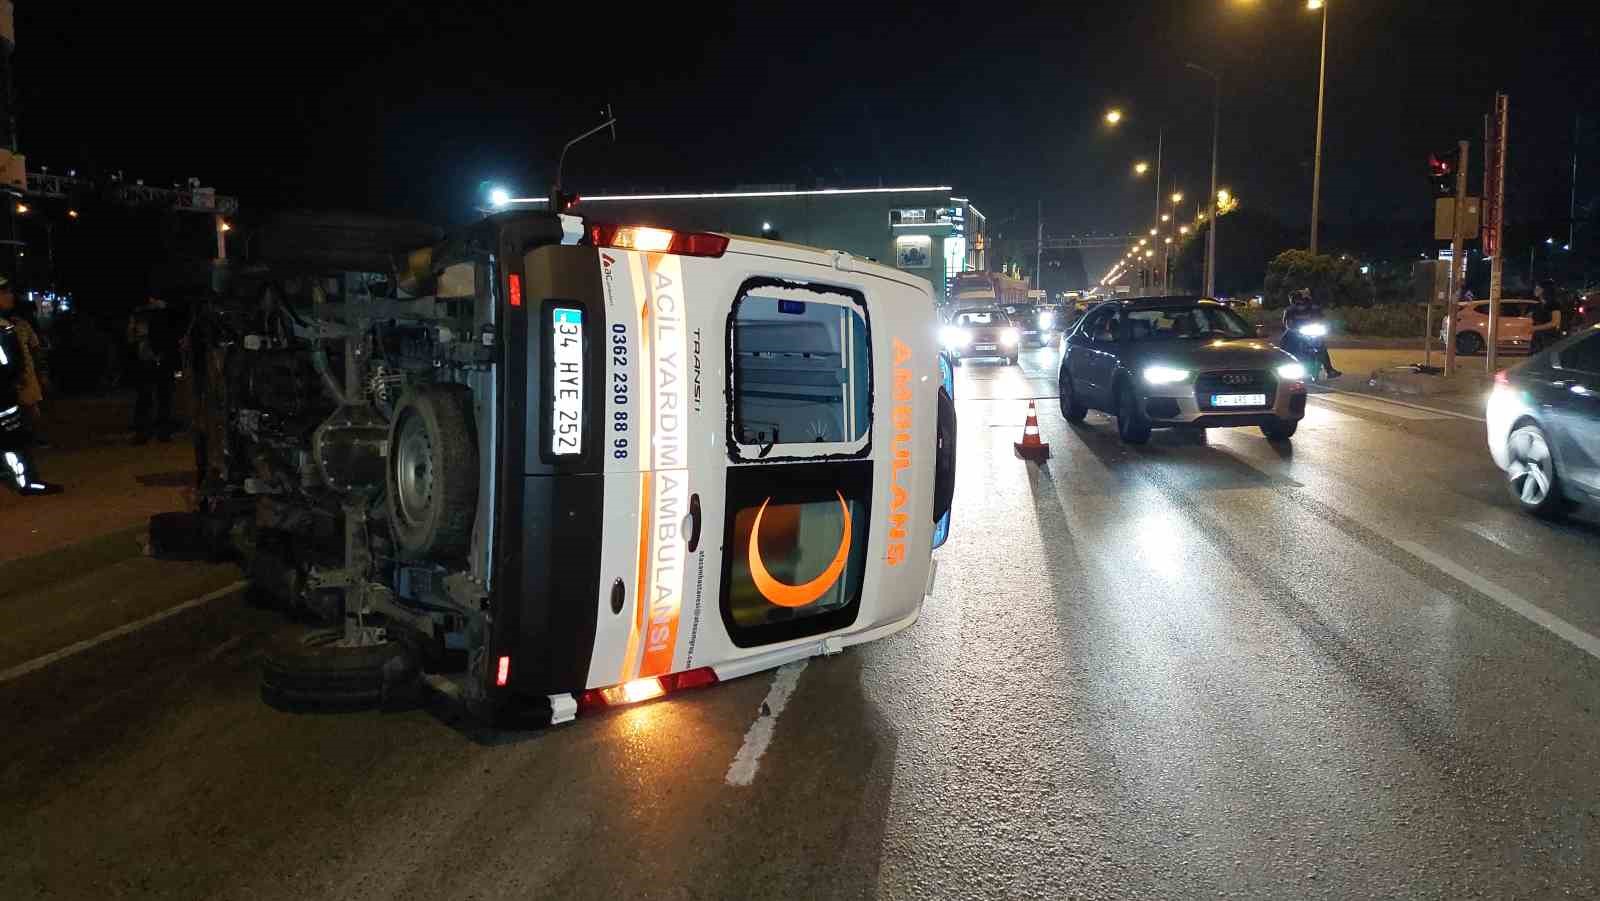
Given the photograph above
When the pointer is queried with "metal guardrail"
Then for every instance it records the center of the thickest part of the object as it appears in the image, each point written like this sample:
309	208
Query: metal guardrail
191	200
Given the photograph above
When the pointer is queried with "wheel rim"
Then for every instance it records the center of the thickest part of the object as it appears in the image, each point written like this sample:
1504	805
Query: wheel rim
414	469
1530	470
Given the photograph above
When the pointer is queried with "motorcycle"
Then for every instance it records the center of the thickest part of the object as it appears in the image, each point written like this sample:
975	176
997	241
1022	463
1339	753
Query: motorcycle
1306	342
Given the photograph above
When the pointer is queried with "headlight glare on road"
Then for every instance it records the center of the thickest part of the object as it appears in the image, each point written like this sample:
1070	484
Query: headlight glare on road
1009	337
1047	320
955	338
1164	375
1291	372
1314	330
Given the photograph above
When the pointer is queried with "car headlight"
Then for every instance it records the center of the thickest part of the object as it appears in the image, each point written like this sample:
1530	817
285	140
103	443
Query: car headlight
1314	330
1164	375
1047	320
1009	337
1291	372
955	338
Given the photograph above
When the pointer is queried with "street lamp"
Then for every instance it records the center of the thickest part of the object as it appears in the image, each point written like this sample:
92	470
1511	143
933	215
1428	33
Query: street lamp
1177	197
1114	116
1183	229
1216	129
1152	233
1322	82
1165	217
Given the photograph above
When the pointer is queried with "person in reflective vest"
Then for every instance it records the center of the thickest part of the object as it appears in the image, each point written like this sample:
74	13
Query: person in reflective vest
16	434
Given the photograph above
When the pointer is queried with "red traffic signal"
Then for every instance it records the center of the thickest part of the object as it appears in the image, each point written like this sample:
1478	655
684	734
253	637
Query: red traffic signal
1442	174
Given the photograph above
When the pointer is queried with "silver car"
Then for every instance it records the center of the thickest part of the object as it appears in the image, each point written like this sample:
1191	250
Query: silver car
1178	362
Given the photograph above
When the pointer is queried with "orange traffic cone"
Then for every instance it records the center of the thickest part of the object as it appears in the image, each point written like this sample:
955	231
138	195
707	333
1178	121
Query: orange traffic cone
1030	447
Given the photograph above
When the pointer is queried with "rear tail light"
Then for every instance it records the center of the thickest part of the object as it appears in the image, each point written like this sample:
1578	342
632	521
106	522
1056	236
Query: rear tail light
514	289
647	688
502	672
658	240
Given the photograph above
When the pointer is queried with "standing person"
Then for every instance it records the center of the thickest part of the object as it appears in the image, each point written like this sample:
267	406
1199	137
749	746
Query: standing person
152	362
16	467
29	387
1546	316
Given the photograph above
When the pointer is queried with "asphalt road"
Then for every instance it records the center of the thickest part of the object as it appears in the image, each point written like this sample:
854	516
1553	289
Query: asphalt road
1185	670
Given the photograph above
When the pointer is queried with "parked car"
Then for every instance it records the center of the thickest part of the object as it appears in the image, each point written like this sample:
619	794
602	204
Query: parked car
1178	362
1472	326
1543	421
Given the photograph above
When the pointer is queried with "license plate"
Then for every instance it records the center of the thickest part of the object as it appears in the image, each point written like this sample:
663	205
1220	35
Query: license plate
1238	400
566	382
983	347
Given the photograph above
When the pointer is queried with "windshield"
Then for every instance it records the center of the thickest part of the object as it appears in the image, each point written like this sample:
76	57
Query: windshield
1176	323
979	318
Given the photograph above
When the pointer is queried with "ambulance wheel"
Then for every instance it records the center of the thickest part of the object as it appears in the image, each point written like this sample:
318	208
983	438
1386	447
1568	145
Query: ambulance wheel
311	670
433	472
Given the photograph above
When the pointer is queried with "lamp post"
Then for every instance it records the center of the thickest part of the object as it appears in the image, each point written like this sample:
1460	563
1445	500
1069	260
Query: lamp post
1322	83
1114	117
1166	247
1216	129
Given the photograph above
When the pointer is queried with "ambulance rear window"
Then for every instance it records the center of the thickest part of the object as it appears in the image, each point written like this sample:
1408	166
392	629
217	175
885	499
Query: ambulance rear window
802	374
796	549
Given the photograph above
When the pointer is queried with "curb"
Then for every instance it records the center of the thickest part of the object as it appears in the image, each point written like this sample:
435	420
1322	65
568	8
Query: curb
1407	381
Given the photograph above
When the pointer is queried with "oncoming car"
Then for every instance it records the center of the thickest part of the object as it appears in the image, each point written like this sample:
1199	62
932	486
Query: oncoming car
981	332
1178	362
545	463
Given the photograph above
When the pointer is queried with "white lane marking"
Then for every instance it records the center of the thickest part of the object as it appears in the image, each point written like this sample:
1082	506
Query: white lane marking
1400	411
39	663
1320	414
1399	403
1524	608
1486	533
745	763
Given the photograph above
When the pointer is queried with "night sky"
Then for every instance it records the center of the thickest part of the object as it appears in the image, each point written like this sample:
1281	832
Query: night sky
411	107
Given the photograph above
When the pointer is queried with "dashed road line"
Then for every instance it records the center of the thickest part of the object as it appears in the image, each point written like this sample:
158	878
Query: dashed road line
39	663
742	771
1517	604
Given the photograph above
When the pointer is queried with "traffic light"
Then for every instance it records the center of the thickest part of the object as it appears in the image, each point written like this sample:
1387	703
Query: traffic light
1442	174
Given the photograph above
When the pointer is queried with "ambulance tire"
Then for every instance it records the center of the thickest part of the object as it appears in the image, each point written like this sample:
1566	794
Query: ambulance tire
309	670
433	472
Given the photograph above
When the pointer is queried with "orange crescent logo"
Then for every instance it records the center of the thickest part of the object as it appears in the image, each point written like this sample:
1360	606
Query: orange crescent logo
782	593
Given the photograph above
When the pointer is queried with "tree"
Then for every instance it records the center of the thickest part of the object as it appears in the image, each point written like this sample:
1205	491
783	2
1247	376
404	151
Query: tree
1334	281
1247	243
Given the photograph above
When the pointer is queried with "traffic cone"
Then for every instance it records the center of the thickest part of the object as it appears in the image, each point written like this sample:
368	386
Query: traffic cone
1030	447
